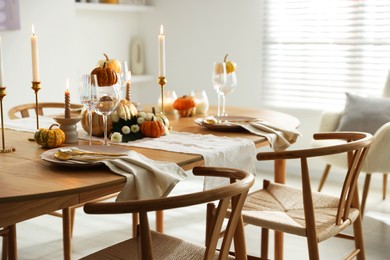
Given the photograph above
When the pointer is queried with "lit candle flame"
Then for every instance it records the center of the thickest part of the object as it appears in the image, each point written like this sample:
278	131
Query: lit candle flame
67	84
161	29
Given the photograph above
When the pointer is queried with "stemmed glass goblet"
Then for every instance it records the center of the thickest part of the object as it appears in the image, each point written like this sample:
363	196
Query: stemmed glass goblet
218	80
227	88
108	100
88	97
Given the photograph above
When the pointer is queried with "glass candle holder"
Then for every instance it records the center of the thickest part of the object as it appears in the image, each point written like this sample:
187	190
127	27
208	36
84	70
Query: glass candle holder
169	97
201	101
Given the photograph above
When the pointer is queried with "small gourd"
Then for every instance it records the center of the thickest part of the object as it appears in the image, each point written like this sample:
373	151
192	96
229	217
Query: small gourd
49	138
152	129
185	105
105	76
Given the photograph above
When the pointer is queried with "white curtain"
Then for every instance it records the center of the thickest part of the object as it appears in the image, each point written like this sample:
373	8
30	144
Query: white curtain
316	50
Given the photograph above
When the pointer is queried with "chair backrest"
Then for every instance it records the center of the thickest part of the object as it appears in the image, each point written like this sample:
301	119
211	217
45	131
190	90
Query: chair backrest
231	194
356	148
25	109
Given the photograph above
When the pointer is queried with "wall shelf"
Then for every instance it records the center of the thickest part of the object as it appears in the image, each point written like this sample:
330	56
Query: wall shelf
113	7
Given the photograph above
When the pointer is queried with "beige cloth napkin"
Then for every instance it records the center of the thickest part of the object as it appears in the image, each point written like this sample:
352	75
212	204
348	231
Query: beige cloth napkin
146	178
279	137
219	151
216	150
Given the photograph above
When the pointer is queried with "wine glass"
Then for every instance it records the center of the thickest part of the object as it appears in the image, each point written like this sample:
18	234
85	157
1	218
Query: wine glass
227	88
218	80
88	97
108	100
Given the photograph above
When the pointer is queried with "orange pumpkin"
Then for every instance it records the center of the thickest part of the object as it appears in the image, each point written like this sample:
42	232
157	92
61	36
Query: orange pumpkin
97	123
105	76
152	129
185	105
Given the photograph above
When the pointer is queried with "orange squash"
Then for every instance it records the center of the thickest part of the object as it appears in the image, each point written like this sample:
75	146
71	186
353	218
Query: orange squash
185	105
152	129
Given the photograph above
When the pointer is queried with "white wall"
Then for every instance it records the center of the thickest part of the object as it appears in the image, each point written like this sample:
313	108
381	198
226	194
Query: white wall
70	43
200	32
197	33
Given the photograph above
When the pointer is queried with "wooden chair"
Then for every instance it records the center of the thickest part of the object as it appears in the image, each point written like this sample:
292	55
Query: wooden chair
25	109
302	212
150	245
51	109
377	161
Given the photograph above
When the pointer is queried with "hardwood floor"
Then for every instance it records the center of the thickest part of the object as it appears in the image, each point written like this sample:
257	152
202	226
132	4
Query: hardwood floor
41	238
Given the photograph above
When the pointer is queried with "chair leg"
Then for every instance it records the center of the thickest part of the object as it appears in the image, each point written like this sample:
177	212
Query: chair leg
358	232
239	241
264	243
324	176
384	185
209	220
367	181
312	245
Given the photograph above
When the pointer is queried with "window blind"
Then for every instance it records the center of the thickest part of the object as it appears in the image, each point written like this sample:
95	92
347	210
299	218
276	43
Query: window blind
315	51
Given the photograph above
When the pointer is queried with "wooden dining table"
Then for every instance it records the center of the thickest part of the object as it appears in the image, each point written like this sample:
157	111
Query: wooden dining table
30	187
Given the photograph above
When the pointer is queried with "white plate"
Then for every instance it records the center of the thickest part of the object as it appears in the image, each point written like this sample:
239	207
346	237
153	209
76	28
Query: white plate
227	123
49	154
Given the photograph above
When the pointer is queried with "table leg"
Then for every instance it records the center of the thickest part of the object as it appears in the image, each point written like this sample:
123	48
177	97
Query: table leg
66	233
11	242
160	221
279	177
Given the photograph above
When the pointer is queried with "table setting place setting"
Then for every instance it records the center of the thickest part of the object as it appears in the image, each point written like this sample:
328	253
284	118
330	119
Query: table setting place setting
116	123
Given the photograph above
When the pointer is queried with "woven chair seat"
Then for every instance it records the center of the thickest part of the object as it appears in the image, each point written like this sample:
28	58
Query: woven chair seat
164	247
281	209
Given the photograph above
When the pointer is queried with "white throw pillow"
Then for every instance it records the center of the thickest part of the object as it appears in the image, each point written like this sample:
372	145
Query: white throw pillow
364	114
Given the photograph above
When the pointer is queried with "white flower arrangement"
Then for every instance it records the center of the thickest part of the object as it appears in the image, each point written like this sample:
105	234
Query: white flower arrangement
116	137
130	130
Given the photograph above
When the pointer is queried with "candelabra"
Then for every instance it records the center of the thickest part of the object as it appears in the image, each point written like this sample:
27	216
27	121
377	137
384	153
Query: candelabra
36	86
162	81
4	149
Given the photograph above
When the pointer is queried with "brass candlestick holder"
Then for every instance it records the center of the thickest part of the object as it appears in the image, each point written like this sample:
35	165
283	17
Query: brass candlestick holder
4	149
162	81
36	86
